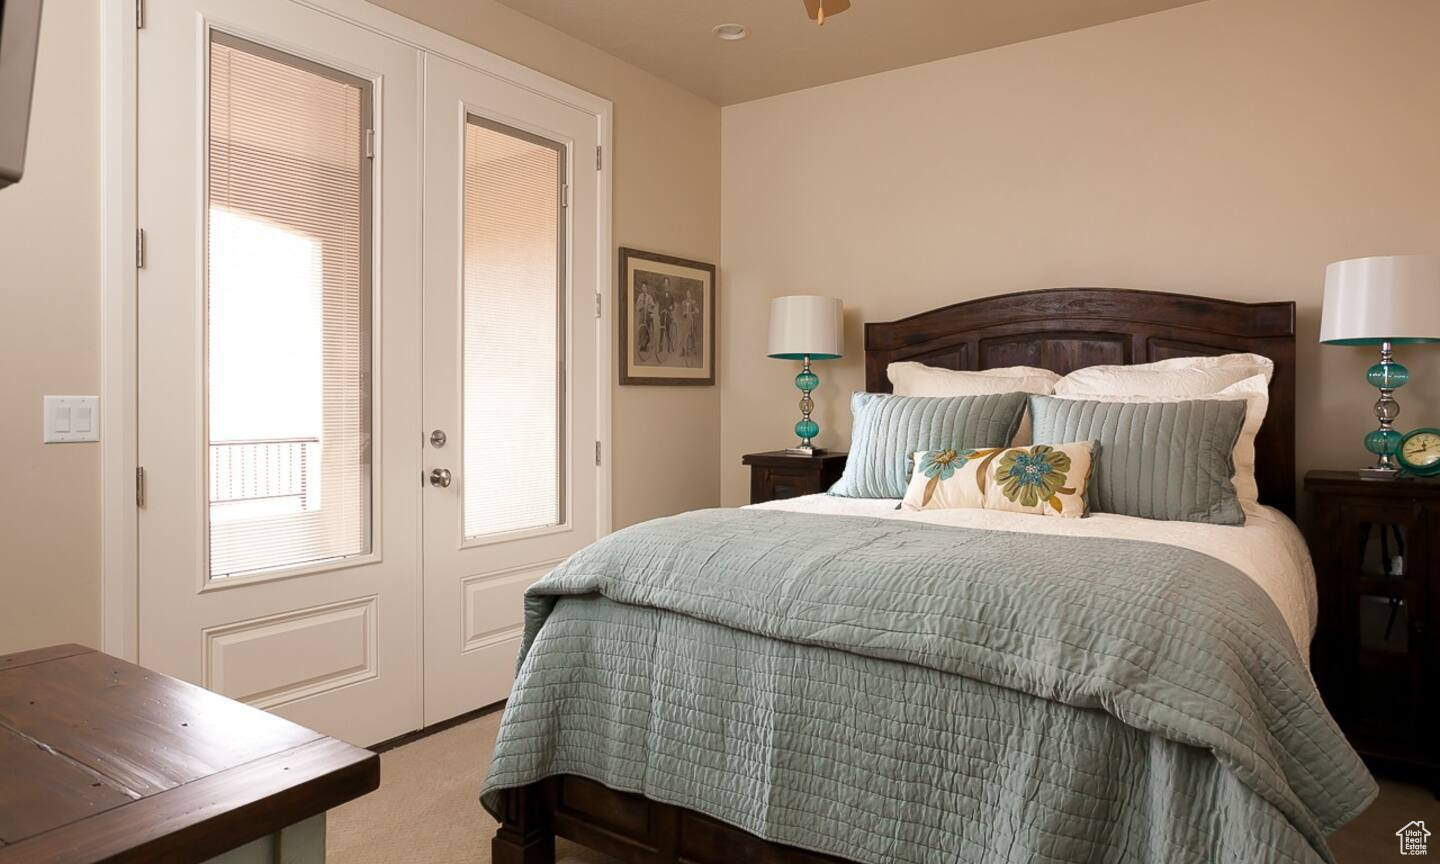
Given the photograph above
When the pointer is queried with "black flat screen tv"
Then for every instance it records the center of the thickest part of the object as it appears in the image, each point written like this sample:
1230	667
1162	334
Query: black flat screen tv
19	37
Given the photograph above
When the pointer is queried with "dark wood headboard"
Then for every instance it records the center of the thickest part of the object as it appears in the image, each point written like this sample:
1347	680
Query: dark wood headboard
1065	329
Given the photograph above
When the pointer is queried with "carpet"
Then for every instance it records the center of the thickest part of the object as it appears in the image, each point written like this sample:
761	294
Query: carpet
427	809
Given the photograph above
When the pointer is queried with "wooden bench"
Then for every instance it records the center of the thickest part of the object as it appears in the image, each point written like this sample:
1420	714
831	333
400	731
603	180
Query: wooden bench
107	761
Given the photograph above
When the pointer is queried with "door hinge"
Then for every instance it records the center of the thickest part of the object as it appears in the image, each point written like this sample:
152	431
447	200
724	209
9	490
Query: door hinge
599	305
597	454
139	248
139	487
139	14
599	160
369	143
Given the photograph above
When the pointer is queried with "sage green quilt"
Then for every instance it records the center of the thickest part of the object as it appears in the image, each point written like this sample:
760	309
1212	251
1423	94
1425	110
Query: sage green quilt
891	691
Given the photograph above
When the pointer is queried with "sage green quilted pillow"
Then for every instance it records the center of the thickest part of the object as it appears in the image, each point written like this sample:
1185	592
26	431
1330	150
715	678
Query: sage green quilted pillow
1156	460
887	430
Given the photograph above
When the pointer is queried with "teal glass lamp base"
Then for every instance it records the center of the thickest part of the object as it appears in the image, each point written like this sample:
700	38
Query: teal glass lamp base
806	429
1387	376
1384	442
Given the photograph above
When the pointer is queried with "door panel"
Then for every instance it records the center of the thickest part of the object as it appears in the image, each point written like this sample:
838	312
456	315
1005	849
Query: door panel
279	544
280	659
511	209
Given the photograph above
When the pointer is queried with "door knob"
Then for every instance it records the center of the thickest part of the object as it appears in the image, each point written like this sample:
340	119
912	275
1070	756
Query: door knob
440	478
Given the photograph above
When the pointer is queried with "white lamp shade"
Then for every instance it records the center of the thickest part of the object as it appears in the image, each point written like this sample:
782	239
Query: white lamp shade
1387	298
804	324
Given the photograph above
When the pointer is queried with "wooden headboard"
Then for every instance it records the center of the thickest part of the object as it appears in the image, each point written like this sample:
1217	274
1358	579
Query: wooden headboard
1065	329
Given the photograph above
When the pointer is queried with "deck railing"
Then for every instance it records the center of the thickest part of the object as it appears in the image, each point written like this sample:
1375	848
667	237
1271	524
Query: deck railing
256	469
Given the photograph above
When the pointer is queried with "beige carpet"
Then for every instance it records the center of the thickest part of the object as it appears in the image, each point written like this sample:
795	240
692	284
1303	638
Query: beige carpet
427	810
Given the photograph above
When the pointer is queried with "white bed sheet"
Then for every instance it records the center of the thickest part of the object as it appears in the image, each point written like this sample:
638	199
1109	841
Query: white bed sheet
1268	547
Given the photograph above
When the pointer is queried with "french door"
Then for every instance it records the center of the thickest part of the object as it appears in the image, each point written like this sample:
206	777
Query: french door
279	323
369	389
511	375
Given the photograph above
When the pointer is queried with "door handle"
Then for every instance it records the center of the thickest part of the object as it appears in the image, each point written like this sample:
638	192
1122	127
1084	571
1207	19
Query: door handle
440	478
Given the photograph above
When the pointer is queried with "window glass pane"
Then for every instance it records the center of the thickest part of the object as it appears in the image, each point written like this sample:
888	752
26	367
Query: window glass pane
514	341
288	312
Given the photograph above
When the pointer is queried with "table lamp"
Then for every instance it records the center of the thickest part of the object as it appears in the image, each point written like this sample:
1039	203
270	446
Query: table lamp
805	327
1386	300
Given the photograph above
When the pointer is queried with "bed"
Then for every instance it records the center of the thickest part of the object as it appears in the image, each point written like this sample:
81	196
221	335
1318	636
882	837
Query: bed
885	737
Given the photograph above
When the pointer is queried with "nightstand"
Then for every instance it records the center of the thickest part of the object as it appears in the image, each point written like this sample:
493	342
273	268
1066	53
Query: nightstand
777	474
1377	566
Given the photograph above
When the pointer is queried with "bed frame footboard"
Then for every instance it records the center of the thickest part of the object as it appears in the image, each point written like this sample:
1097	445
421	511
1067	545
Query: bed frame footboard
629	827
525	835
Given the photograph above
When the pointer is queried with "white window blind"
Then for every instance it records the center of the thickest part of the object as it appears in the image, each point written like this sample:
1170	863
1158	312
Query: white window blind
513	331
288	326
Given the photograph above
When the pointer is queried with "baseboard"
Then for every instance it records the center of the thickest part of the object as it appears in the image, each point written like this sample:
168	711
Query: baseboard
416	735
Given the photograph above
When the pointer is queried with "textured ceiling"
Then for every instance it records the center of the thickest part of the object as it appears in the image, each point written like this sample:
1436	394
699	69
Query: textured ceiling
787	51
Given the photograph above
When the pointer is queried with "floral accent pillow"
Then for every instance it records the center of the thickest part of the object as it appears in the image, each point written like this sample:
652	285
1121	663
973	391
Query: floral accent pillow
1044	479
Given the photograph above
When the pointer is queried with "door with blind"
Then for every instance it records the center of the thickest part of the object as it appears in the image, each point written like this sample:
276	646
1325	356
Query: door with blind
279	362
512	378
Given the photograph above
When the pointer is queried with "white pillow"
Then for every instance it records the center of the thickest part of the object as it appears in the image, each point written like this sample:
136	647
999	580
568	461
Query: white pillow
917	379
1186	377
1255	390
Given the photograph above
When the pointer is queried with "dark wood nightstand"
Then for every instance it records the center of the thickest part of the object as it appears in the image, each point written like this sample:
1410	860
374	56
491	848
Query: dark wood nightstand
777	474
1375	654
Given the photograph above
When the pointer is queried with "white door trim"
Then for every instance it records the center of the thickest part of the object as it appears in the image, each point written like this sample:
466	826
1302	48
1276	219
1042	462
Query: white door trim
119	522
119	525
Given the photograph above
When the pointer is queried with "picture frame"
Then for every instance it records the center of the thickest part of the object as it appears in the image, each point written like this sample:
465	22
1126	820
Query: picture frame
667	311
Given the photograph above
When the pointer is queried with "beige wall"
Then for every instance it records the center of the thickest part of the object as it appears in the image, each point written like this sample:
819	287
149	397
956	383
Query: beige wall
1230	148
50	343
667	199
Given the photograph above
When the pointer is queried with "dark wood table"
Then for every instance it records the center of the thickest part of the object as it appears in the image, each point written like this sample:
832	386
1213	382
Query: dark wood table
106	761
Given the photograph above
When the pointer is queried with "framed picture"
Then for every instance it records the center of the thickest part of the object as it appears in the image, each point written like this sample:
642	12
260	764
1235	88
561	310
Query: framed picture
667	319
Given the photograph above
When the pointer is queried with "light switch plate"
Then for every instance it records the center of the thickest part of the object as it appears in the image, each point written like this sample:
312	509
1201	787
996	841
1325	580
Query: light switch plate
72	418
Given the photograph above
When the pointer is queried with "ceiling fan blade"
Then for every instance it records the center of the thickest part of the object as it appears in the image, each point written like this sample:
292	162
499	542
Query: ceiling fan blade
832	7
